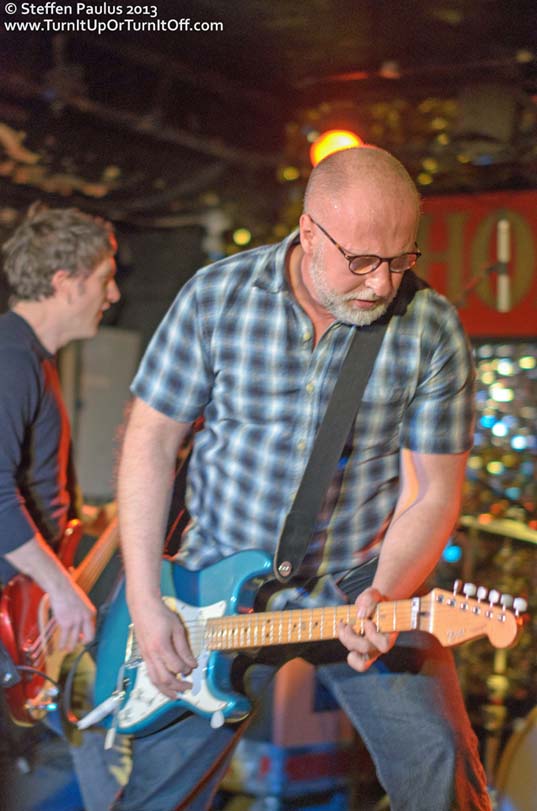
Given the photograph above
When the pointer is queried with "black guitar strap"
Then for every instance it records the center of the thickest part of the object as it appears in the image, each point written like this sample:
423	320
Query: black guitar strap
329	443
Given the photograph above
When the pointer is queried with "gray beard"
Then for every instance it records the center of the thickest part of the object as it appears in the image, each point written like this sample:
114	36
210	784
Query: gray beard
340	305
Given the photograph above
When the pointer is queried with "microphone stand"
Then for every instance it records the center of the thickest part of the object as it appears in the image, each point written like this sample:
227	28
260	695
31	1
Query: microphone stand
500	267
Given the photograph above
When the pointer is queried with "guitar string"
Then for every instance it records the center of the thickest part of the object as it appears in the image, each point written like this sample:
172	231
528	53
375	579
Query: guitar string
193	626
85	577
229	622
198	630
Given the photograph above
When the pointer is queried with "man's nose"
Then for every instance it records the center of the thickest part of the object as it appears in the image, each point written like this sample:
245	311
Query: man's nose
112	292
380	280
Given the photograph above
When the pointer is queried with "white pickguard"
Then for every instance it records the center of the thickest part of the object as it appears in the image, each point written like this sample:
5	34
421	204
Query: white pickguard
145	698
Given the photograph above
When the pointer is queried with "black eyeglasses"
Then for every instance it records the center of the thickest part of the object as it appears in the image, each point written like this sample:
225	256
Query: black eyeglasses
360	264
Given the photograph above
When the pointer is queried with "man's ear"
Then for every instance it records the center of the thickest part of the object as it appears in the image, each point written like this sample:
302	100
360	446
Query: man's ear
61	284
306	233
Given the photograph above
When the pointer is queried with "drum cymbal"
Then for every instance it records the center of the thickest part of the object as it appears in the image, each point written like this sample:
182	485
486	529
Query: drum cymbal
500	526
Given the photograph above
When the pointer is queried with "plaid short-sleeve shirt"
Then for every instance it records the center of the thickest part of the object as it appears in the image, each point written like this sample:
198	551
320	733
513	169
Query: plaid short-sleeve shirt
236	347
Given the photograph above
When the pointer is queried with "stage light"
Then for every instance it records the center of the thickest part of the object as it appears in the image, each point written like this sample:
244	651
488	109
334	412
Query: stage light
425	179
501	395
513	492
290	173
527	362
452	553
475	462
332	141
242	236
505	367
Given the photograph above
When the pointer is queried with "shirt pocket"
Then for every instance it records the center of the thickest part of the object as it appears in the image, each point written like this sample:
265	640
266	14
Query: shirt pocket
380	418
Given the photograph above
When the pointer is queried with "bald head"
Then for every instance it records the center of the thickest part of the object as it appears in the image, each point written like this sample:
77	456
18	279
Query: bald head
366	171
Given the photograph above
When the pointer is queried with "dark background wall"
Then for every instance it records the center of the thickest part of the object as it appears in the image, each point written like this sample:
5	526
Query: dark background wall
152	267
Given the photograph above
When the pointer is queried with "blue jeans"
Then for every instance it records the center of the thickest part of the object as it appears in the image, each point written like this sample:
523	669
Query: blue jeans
407	708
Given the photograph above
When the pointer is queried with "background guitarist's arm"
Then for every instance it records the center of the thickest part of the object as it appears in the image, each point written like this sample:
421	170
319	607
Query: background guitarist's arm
72	609
145	483
32	556
424	517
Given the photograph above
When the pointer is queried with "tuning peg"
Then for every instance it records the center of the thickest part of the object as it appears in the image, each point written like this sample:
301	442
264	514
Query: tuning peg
494	596
520	605
482	593
506	600
469	589
457	585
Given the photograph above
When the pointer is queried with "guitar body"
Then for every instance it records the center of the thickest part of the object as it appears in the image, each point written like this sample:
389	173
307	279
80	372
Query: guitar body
19	608
23	609
29	631
228	587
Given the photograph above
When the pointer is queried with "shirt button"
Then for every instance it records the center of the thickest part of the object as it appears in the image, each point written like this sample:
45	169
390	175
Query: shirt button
310	387
306	336
301	444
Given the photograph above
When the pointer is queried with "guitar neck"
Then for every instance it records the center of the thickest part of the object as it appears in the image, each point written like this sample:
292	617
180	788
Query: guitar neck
89	571
238	632
451	618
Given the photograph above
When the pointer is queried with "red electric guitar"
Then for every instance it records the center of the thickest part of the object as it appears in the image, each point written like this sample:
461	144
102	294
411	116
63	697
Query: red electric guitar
29	632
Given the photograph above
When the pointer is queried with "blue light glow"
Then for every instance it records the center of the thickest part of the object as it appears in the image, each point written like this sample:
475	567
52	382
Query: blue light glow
452	553
487	421
513	492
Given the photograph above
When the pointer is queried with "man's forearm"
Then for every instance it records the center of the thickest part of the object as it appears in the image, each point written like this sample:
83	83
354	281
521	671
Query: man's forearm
144	495
412	548
36	559
423	520
144	492
70	605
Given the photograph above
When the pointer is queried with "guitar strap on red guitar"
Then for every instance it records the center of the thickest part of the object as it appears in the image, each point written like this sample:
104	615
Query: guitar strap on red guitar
340	414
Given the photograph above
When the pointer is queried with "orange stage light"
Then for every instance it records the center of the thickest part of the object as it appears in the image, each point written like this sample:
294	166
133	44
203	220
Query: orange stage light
332	141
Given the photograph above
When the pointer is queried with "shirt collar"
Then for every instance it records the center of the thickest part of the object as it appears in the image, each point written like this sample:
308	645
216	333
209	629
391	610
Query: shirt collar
271	273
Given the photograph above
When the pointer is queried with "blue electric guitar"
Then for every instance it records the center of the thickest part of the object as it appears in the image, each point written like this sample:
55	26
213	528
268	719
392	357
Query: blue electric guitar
216	607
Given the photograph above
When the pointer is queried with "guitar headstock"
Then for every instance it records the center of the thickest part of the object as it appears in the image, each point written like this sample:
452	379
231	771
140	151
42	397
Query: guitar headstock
456	617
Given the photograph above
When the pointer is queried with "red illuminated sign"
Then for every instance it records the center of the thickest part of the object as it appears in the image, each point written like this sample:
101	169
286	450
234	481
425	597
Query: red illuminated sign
459	240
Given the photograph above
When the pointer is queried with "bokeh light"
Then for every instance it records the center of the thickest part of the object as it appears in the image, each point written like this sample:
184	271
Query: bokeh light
332	141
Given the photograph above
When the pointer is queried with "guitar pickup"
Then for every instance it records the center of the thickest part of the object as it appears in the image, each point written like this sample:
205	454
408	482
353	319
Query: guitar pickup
133	657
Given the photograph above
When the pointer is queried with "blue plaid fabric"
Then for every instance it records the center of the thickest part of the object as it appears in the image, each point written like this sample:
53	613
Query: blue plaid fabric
236	347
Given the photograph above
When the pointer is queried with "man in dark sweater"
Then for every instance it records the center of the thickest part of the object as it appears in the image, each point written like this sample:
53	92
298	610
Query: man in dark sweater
60	268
